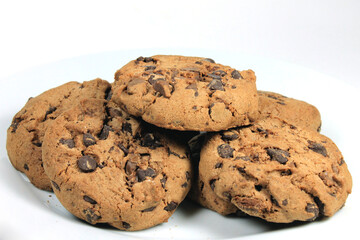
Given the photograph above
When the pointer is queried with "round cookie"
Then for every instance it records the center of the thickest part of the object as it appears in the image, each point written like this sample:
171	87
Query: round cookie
25	135
276	171
186	93
295	112
108	167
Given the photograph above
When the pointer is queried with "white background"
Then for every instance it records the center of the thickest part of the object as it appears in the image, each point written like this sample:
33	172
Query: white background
323	35
320	35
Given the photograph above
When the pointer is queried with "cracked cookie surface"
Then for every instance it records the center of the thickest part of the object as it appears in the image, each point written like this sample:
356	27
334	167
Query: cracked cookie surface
26	133
274	171
295	112
186	93
108	167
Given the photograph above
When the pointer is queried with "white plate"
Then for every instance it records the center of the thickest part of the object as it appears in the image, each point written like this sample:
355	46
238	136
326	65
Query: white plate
29	213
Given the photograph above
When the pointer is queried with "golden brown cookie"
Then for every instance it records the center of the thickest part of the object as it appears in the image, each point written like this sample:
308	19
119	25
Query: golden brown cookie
25	135
186	93
295	112
108	167
275	171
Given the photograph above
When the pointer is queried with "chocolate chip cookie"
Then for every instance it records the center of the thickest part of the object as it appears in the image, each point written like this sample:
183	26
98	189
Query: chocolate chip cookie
275	171
295	112
186	93
25	135
105	166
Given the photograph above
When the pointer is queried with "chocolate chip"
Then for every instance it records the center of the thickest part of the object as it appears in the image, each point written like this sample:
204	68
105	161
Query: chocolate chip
171	206
258	187
108	94
245	158
88	139
126	127
86	163
148	209
212	184
150	141
272	97
281	103
90	216
318	148
151	80
126	225
312	208
150	68
209	60
184	185
286	172
278	155
284	202
26	167
54	184
229	136
149	59
89	200
163	87
216	84
142	174
124	149
14	125
219	165
130	167
104	134
36	143
70	143
225	151
163	181
140	59
236	75
198	62
50	111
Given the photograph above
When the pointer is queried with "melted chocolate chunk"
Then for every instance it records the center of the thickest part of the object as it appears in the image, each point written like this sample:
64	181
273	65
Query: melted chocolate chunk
108	94
149	209
89	200
14	125
90	216
26	167
126	225
126	127
54	184
225	151
278	155
318	148
312	208
87	163
142	174
130	167
105	132
236	75
88	139
209	60
219	165
192	86
229	136
150	141
70	143
171	206
163	181
50	111
216	84
212	184
163	87
123	148
150	68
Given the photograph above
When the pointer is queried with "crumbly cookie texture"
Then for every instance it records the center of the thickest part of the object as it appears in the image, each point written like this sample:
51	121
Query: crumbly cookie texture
109	167
275	171
26	133
295	112
186	93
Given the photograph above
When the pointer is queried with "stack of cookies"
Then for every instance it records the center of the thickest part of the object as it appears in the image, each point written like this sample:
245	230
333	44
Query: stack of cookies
128	153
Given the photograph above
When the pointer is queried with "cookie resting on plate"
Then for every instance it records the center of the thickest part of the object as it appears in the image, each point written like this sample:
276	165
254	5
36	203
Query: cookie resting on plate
26	133
108	167
186	93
